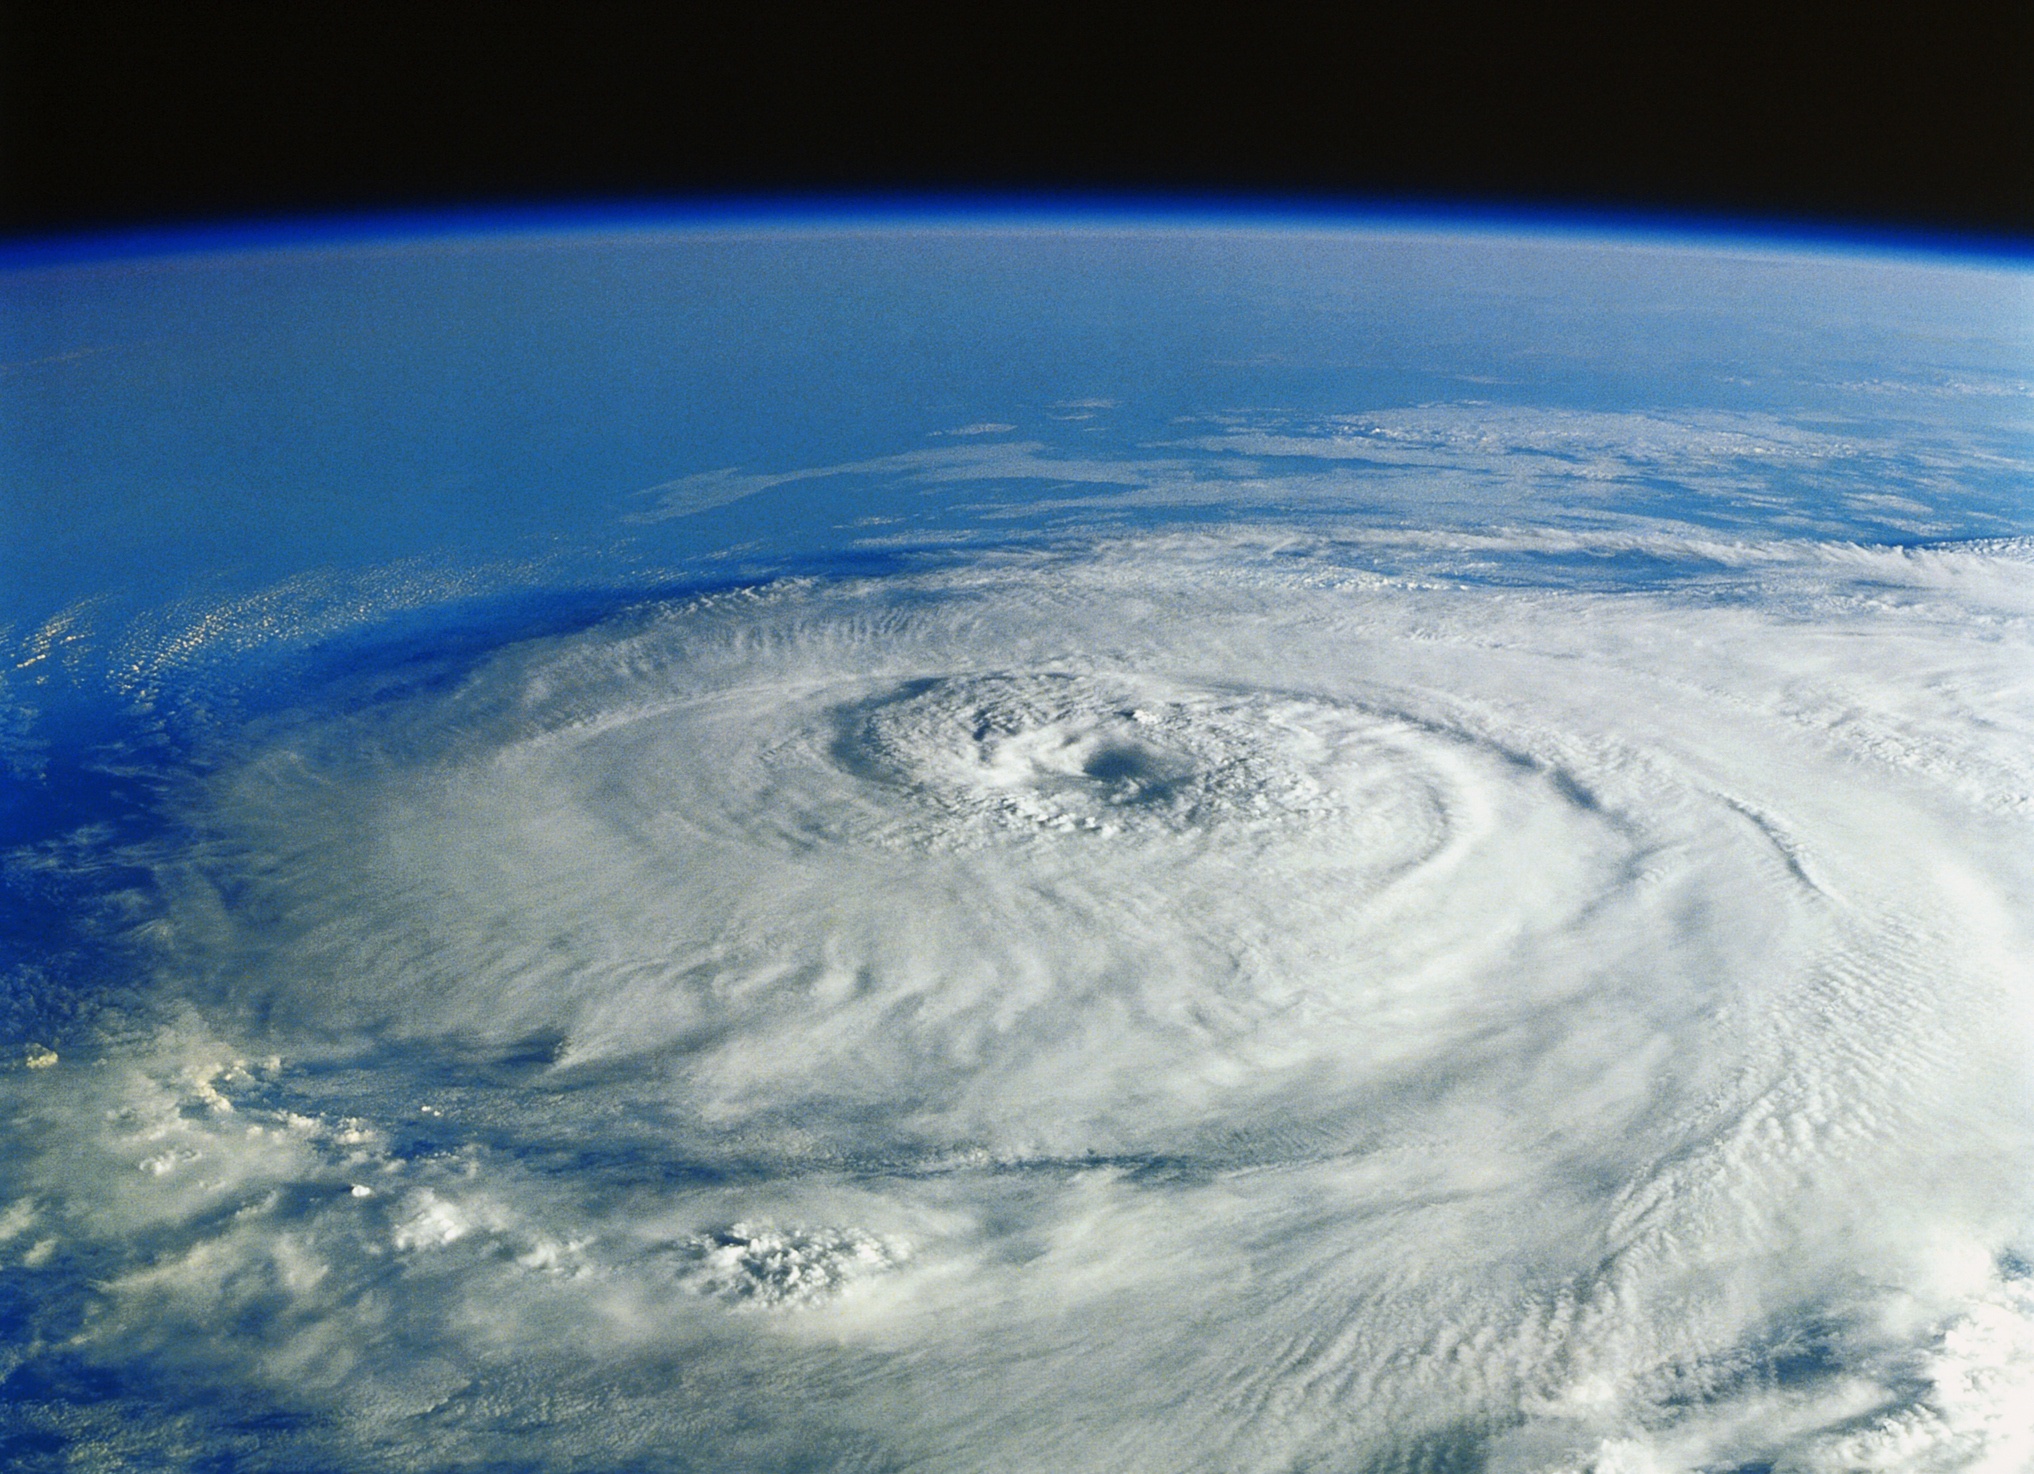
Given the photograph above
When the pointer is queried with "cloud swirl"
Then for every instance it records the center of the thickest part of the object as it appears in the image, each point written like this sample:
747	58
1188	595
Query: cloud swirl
1179	1001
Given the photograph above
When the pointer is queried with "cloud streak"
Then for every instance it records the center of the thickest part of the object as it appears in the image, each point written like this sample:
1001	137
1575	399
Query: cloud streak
956	465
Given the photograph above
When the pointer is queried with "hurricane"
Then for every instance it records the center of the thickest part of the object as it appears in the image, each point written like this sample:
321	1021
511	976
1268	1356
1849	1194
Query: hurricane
1458	934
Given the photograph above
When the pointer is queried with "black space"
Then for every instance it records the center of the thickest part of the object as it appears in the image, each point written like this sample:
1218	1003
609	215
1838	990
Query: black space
1909	116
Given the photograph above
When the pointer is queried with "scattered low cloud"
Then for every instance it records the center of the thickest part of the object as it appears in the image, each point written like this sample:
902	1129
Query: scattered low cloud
985	427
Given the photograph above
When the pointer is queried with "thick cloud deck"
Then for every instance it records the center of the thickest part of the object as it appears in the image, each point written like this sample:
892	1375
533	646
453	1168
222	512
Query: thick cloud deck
1181	1003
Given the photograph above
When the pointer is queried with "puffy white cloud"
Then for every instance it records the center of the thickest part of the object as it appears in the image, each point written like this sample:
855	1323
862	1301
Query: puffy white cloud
1246	999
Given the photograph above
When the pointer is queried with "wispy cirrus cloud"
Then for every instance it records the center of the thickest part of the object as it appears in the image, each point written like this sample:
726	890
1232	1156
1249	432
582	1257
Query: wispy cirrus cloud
1029	460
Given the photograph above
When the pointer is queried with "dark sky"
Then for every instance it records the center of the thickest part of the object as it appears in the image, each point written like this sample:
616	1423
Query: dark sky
1918	115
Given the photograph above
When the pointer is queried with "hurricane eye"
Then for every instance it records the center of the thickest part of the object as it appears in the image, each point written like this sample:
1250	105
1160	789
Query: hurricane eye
1120	765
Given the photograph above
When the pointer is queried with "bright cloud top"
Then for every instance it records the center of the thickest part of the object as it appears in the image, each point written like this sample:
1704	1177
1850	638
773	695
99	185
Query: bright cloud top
1172	1002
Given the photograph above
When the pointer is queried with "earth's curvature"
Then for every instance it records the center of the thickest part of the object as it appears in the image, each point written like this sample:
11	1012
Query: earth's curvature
1017	842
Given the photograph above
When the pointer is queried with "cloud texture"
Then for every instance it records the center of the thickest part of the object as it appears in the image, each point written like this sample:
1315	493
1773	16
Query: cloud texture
1259	1000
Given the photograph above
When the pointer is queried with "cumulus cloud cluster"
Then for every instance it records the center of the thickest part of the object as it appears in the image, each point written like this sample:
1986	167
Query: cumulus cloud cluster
1252	1000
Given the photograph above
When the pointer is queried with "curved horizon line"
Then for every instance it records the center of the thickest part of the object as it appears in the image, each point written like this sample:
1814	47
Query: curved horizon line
1063	209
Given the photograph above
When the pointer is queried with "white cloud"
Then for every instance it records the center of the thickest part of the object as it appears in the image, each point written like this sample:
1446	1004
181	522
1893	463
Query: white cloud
1191	999
983	427
1005	461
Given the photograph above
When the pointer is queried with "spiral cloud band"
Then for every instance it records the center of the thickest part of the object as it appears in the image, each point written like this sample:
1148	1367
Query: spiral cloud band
1246	1000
